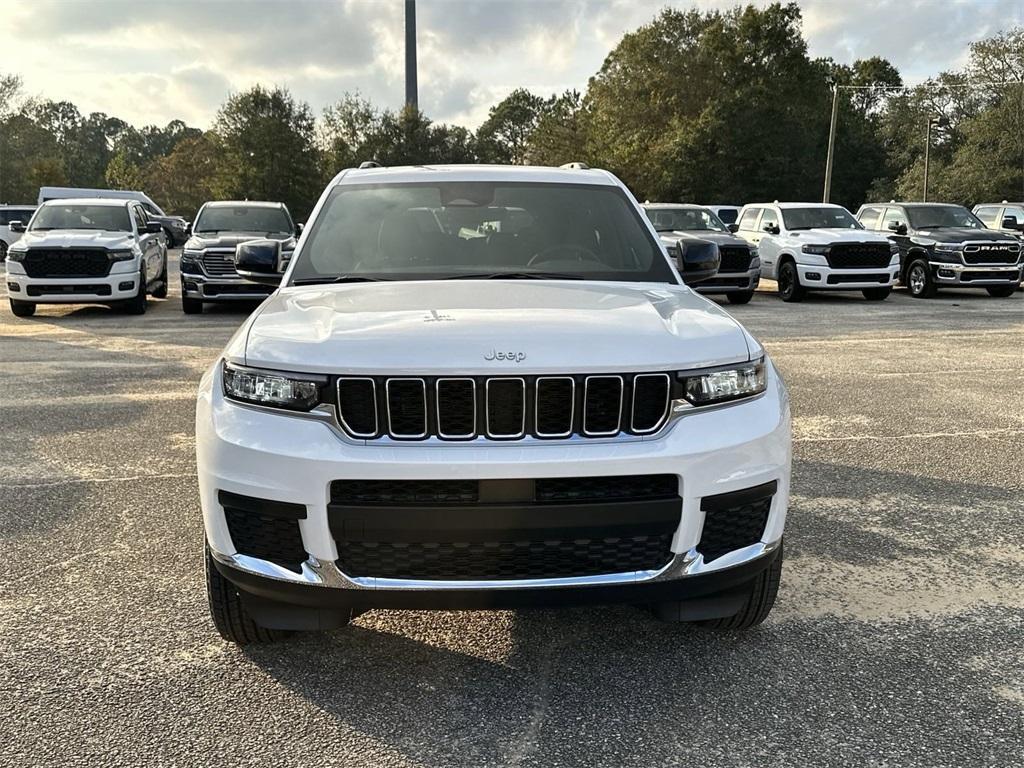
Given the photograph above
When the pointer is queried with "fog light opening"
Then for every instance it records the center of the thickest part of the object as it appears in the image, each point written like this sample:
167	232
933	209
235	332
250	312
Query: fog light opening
813	276
14	288
126	286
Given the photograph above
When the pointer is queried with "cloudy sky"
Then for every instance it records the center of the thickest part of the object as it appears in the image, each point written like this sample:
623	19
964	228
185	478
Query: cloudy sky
150	62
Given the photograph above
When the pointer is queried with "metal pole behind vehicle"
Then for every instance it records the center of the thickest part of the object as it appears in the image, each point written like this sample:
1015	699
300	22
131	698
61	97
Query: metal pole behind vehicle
411	95
831	143
927	149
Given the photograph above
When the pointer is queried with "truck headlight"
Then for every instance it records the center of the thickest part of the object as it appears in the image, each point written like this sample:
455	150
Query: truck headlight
190	255
13	255
120	255
294	392
819	250
723	384
949	247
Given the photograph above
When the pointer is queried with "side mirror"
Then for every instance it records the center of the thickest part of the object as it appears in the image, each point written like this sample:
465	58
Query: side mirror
299	227
734	228
771	229
17	226
259	261
897	227
188	229
1009	222
697	261
154	227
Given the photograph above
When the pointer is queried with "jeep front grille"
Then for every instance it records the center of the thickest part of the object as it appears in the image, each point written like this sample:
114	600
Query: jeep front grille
991	253
859	255
503	407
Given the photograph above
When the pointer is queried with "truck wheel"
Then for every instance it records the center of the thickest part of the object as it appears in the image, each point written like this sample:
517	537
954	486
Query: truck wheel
740	297
3	251
759	602
919	280
137	304
1001	291
877	294
161	292
191	306
789	283
229	616
23	308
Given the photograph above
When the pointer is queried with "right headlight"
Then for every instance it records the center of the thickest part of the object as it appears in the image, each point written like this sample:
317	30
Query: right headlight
190	255
722	385
274	389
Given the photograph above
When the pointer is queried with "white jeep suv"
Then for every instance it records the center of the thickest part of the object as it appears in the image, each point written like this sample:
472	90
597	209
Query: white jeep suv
819	247
483	387
87	251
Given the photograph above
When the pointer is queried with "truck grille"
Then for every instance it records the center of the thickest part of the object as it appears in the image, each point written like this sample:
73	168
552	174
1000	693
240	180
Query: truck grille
859	255
66	262
503	407
219	263
734	258
991	253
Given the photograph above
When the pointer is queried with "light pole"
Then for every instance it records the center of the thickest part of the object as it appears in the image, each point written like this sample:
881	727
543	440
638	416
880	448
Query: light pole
932	121
831	139
411	95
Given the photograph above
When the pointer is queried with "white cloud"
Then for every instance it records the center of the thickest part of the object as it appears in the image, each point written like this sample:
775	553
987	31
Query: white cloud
161	60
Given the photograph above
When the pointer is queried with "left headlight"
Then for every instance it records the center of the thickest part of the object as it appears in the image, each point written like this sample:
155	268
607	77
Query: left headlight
120	255
820	250
949	247
13	255
294	392
724	384
191	255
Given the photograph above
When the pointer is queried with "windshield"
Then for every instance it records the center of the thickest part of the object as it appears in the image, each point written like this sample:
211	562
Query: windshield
461	229
244	218
110	218
938	216
819	217
685	220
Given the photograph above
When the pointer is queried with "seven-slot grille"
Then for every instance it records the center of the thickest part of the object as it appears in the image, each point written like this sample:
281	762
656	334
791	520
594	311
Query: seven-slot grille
67	262
734	258
219	263
859	255
503	407
991	253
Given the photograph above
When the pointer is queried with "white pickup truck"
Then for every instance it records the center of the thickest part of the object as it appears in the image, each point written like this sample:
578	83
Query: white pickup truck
87	251
819	247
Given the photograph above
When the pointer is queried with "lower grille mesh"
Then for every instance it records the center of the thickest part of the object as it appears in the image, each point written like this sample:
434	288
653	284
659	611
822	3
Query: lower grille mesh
733	528
268	538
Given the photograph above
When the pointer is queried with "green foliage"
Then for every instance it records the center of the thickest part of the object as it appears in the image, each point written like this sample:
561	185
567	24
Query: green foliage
504	136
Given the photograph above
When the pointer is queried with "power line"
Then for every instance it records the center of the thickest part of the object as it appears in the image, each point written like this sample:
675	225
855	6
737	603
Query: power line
929	86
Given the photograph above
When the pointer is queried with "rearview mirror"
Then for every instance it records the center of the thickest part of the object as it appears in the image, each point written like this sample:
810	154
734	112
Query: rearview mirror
17	226
697	261
259	261
734	228
1009	222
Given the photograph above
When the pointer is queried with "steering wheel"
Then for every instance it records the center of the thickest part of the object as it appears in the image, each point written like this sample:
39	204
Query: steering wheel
582	254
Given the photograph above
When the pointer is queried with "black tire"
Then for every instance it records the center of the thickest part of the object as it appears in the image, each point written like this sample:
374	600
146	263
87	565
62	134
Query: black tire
3	251
137	304
23	308
790	289
229	616
919	280
161	292
759	603
169	237
1001	291
877	294
191	306
739	297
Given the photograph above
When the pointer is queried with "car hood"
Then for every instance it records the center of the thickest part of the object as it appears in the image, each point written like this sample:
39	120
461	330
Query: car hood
231	239
719	238
827	235
490	327
962	234
77	238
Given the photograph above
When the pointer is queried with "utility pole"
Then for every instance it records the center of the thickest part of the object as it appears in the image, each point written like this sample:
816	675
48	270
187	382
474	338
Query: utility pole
927	150
411	97
831	140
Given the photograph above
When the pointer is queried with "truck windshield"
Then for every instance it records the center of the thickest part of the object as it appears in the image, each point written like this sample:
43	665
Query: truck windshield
434	230
819	217
939	216
109	218
685	220
244	218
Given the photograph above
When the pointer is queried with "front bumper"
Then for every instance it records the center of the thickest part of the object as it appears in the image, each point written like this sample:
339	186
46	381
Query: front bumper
223	288
730	282
267	455
824	278
980	275
122	283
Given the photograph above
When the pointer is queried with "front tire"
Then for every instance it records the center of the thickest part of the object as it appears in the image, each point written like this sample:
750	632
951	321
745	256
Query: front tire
3	251
919	280
790	289
740	297
1001	291
229	616
191	306
23	308
877	294
161	292
759	602
137	304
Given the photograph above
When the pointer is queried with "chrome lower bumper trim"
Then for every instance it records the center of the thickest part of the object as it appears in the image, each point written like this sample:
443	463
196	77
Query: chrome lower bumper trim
326	574
1012	272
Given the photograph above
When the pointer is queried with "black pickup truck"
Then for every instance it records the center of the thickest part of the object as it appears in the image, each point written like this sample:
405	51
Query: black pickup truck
943	245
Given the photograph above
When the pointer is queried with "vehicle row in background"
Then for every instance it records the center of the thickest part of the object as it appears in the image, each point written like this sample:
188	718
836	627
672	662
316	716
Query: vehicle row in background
175	228
8	214
1005	216
87	251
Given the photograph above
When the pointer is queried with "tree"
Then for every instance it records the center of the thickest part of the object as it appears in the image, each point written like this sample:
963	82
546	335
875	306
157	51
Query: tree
269	149
184	180
560	135
504	136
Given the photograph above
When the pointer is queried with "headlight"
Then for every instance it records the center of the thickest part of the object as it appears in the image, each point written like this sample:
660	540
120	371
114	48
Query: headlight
820	250
294	392
190	255
949	247
893	248
120	255
724	384
13	255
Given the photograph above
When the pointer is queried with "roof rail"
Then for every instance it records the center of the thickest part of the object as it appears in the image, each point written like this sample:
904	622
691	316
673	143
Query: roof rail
575	167
368	164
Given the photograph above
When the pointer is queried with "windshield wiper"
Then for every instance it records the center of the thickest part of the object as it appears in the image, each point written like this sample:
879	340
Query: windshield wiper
515	276
327	279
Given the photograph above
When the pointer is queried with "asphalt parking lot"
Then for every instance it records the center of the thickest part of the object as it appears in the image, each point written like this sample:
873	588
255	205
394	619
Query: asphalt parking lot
896	639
